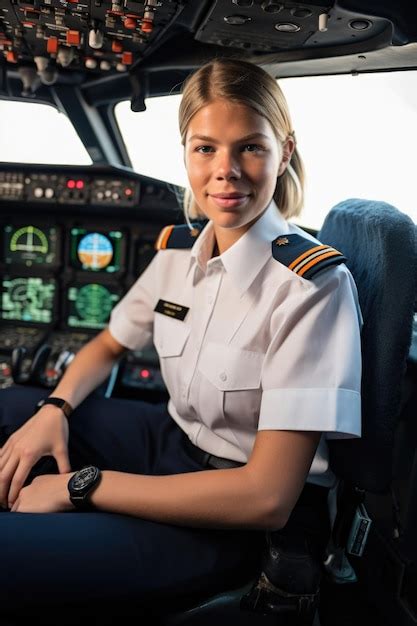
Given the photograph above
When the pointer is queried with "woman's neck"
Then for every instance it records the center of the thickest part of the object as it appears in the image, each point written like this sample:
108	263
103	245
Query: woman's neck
215	249
225	238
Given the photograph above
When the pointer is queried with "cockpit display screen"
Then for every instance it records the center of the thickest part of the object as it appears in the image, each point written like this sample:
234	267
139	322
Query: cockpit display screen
90	304
28	299
30	245
94	251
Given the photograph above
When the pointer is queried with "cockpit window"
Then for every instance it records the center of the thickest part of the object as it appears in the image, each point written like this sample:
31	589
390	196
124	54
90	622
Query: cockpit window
37	133
153	140
356	135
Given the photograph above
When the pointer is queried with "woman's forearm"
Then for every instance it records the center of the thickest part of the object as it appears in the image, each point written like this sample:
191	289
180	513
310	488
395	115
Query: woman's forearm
260	494
213	498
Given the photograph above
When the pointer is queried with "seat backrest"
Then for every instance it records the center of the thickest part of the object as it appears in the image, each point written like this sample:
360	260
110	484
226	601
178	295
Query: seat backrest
381	249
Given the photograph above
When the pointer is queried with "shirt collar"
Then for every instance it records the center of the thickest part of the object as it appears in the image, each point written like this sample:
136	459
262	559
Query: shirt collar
246	257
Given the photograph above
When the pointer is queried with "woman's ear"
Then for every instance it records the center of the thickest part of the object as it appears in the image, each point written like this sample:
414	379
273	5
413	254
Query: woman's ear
287	149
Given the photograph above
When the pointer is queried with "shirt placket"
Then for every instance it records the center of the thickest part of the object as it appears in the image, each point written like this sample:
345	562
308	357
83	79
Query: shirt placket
204	302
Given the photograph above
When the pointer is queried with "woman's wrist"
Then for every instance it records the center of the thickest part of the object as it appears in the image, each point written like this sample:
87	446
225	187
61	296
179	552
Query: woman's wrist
57	402
50	409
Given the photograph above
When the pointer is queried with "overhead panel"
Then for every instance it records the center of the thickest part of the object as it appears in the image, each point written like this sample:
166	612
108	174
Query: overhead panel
98	36
268	26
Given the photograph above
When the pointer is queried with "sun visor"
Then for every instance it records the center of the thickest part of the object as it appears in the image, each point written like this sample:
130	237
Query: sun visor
140	91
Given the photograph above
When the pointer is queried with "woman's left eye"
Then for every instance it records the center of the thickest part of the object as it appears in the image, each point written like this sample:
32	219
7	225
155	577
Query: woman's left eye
253	147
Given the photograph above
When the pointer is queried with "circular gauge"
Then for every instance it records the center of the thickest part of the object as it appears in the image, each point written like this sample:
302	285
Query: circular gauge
19	290
95	251
29	239
94	303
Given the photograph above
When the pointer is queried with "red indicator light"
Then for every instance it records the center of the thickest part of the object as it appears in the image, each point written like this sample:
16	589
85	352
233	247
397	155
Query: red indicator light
128	192
71	184
144	373
79	184
5	369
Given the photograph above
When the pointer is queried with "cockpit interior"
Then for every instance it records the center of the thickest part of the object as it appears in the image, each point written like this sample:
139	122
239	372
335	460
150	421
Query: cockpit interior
76	234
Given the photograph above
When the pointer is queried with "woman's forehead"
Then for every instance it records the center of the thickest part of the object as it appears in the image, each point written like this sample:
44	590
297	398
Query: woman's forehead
228	118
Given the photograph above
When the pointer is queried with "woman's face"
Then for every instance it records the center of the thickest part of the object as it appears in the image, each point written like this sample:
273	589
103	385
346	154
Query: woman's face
233	160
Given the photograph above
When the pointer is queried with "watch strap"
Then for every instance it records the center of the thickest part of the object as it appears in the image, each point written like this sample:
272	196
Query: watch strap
59	402
83	503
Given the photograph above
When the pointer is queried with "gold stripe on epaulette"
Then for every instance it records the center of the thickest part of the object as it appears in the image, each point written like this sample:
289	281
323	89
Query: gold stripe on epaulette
318	260
164	235
312	256
306	254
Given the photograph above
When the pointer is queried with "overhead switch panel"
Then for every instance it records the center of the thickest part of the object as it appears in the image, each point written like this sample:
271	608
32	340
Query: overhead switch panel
75	34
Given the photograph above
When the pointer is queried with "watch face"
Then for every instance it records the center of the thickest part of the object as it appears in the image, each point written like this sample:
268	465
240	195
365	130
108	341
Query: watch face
83	478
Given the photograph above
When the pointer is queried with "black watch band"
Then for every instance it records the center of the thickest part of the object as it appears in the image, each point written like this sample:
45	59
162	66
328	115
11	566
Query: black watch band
59	402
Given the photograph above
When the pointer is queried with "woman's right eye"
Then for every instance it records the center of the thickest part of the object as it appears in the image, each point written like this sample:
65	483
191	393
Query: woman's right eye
204	149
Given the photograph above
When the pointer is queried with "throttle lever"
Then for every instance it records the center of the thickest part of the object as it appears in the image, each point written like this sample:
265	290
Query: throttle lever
18	355
64	359
38	365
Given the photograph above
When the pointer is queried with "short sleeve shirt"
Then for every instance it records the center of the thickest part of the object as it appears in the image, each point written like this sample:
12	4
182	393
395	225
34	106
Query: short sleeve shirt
260	347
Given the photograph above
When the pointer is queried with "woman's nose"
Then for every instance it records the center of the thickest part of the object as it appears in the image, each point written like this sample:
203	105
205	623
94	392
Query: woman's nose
228	166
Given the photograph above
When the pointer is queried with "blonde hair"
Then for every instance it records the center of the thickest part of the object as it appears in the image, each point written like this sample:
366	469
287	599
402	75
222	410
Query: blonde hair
248	84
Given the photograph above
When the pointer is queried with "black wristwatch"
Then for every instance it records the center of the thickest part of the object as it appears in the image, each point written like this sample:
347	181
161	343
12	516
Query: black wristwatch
81	486
59	402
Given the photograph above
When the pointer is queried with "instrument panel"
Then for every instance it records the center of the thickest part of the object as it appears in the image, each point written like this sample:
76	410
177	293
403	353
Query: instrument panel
68	188
63	270
73	272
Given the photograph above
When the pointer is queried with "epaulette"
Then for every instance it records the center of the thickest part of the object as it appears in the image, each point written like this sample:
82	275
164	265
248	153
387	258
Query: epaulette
177	236
303	256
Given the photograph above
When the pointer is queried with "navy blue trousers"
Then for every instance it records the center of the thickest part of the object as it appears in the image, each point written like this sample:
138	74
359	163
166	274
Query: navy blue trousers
90	562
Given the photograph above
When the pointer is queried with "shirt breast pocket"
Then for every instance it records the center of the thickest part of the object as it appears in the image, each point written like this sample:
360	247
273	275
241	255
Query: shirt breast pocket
170	336
236	374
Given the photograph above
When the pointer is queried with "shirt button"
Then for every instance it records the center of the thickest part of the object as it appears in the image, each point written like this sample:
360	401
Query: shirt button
223	376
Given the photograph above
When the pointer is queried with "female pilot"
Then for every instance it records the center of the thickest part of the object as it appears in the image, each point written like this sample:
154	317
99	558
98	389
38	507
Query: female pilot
257	329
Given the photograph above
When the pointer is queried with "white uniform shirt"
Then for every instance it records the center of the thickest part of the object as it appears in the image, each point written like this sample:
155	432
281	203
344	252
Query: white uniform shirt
260	347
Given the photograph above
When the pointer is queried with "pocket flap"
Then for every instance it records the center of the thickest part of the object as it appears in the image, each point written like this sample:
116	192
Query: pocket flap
229	368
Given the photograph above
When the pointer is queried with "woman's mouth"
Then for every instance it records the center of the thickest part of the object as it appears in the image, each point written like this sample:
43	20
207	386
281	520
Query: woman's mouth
229	200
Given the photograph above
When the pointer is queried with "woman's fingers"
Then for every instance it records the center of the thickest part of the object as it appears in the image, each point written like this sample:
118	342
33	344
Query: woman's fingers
15	506
4	459
62	459
27	461
35	439
6	447
6	478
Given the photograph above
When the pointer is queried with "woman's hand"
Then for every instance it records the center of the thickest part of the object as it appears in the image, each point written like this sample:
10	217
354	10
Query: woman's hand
45	494
44	434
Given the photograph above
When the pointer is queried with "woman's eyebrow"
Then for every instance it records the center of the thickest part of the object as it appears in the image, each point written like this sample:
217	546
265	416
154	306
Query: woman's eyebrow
212	140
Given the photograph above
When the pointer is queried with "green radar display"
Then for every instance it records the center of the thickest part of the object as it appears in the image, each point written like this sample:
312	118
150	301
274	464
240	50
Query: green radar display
28	299
96	251
90	305
30	245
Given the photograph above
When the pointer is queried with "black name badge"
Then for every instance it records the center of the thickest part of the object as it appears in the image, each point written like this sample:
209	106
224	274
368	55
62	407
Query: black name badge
171	309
